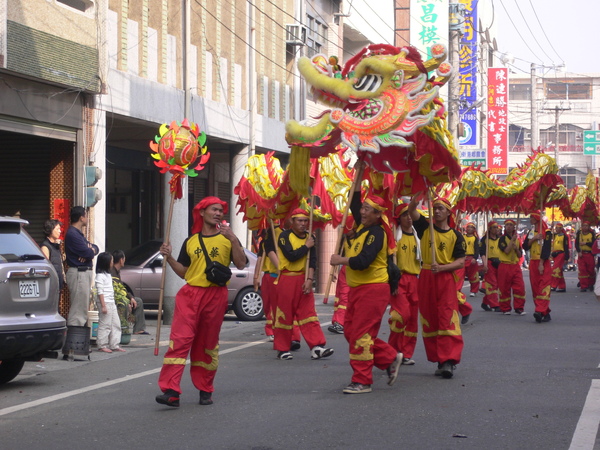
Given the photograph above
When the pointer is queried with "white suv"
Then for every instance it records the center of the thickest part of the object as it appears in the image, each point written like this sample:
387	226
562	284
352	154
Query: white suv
30	326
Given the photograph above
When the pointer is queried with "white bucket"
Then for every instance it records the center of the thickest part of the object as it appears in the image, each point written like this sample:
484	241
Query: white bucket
92	323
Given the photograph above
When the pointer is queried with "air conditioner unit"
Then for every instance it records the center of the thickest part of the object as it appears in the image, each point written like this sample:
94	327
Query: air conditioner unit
295	34
527	135
579	136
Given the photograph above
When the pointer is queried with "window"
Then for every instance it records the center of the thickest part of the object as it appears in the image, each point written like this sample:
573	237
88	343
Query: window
79	5
569	90
317	36
520	91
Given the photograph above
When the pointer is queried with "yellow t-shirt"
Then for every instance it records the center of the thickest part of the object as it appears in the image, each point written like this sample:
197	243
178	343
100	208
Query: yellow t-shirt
494	251
288	238
513	256
191	256
367	241
406	254
470	245
558	243
268	265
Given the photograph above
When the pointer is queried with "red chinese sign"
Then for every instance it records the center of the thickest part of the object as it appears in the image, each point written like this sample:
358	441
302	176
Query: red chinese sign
62	212
497	121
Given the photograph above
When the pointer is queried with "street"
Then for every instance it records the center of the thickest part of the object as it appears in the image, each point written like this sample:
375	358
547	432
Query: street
520	385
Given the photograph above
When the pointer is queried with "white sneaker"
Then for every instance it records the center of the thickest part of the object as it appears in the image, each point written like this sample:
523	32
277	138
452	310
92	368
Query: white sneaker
472	294
394	368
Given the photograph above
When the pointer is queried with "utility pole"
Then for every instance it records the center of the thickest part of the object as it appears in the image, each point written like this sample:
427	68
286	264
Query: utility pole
535	129
557	110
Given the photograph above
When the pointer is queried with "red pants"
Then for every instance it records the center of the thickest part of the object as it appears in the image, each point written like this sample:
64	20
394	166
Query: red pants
472	272
587	270
366	306
464	307
404	316
490	282
267	292
558	278
342	291
438	306
294	306
510	278
199	313
540	284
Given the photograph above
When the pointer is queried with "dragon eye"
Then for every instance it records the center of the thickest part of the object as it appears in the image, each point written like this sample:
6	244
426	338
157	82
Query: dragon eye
369	83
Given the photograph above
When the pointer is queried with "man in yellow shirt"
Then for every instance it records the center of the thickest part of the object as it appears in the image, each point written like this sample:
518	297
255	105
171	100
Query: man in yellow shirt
510	276
438	297
366	261
404	311
491	262
540	271
560	254
584	239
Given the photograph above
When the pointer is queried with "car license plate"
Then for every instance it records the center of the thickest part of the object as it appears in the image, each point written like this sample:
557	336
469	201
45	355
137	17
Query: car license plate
29	288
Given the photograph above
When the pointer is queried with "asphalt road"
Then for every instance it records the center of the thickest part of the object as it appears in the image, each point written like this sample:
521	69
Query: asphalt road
521	385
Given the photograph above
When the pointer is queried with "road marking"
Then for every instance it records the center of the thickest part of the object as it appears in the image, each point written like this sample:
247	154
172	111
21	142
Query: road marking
53	398
587	426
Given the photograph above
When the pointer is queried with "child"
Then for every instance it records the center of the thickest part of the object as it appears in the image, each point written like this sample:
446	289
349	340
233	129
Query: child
109	324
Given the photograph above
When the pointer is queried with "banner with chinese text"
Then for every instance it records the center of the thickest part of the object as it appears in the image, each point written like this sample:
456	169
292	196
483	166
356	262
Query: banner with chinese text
497	121
429	26
467	75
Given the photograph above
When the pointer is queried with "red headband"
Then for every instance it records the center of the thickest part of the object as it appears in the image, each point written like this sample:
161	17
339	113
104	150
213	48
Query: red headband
203	204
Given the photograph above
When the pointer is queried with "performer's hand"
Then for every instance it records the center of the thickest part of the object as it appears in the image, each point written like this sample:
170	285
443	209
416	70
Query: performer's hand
165	250
256	284
225	230
310	242
307	287
336	259
541	267
538	237
485	269
436	268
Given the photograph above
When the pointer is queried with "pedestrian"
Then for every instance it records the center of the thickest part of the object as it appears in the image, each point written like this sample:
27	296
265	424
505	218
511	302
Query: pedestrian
51	249
584	239
560	255
136	303
510	275
539	244
366	259
491	263
340	305
201	304
79	257
471	256
295	300
404	310
109	323
438	297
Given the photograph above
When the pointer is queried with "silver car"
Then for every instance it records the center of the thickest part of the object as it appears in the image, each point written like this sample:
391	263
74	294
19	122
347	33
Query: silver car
30	326
143	271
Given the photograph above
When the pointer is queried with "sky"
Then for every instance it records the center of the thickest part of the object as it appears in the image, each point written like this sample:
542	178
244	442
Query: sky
567	31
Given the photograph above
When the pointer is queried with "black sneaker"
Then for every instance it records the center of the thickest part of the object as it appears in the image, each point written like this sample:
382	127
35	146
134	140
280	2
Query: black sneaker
336	328
520	312
295	346
408	362
318	352
285	356
465	319
486	307
482	290
538	317
553	289
496	309
169	398
205	398
447	370
438	371
561	290
357	388
546	318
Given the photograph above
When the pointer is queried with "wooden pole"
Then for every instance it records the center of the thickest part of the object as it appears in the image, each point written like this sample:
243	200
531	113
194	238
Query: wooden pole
164	274
310	228
431	230
338	245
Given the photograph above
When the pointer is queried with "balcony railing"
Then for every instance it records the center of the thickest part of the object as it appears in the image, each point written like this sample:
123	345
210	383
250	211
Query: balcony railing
561	148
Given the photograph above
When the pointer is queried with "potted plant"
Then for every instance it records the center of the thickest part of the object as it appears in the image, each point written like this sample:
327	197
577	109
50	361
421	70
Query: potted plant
124	309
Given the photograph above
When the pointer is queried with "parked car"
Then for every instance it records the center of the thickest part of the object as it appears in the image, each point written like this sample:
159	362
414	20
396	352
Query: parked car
143	272
30	326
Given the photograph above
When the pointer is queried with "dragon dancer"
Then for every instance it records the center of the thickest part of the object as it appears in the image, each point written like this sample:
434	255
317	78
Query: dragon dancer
510	276
560	255
491	263
540	270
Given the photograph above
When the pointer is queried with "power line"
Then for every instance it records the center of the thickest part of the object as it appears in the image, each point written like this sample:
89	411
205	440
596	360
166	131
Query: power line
544	31
532	34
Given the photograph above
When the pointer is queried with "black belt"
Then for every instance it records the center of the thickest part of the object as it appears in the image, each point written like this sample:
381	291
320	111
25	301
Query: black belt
585	251
81	268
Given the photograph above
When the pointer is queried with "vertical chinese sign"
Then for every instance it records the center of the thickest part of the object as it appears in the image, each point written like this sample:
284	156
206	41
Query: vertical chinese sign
428	24
467	75
497	121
